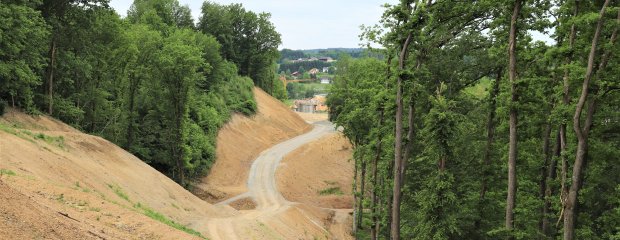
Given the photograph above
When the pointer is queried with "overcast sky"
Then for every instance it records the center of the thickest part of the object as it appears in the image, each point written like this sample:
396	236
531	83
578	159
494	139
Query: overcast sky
304	24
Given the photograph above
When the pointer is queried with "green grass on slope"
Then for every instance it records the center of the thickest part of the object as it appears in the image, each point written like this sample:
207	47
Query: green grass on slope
163	219
149	212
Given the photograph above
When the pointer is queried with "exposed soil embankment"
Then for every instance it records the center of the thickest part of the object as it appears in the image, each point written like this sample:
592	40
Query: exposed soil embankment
241	140
319	173
86	186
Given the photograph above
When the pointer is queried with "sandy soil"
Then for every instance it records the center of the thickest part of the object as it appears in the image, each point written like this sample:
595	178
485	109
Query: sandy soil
319	173
87	175
241	140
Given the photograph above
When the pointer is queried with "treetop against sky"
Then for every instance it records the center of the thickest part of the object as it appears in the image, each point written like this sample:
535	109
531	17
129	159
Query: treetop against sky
304	24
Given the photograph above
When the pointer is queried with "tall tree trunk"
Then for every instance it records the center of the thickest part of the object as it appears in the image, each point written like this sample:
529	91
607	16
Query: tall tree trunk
544	176
582	132
50	79
374	229
551	174
410	136
409	144
133	88
355	202
376	226
486	162
360	206
565	102
512	145
398	141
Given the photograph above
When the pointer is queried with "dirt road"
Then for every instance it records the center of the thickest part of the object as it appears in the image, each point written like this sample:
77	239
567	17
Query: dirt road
263	191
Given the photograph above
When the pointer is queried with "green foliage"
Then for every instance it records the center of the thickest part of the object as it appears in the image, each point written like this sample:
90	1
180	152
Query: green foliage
7	172
249	40
331	191
22	48
165	220
305	90
2	107
455	81
149	83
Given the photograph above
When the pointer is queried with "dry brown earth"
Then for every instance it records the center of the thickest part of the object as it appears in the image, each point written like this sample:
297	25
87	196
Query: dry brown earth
319	173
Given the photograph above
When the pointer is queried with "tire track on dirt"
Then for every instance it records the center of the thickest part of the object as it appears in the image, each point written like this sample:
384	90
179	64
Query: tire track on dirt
262	188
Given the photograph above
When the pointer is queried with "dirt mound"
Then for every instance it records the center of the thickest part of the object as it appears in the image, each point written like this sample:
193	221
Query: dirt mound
91	180
319	173
241	140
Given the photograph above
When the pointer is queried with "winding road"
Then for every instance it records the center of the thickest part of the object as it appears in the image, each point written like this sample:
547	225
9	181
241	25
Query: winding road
262	188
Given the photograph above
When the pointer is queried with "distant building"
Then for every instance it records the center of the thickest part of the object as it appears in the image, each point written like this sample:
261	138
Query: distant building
325	69
325	80
306	105
313	71
326	59
311	105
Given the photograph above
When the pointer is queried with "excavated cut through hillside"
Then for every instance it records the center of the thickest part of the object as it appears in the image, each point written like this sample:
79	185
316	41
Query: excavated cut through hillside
241	140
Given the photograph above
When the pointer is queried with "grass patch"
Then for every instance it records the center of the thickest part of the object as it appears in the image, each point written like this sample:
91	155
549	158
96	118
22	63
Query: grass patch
80	188
58	141
61	198
147	211
480	90
331	191
7	172
119	192
163	219
8	129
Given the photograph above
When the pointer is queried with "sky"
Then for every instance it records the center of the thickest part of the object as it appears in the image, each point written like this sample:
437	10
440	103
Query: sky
304	24
310	24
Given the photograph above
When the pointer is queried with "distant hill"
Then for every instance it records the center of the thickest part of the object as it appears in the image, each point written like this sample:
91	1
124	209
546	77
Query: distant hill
334	53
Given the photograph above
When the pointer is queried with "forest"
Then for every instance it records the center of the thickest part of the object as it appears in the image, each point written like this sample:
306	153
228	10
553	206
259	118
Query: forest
470	128
153	82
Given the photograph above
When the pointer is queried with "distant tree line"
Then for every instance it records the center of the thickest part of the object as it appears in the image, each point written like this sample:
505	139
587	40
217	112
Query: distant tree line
334	53
303	66
152	83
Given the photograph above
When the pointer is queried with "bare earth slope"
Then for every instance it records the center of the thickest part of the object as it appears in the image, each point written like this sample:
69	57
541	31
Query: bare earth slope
319	173
87	180
241	140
